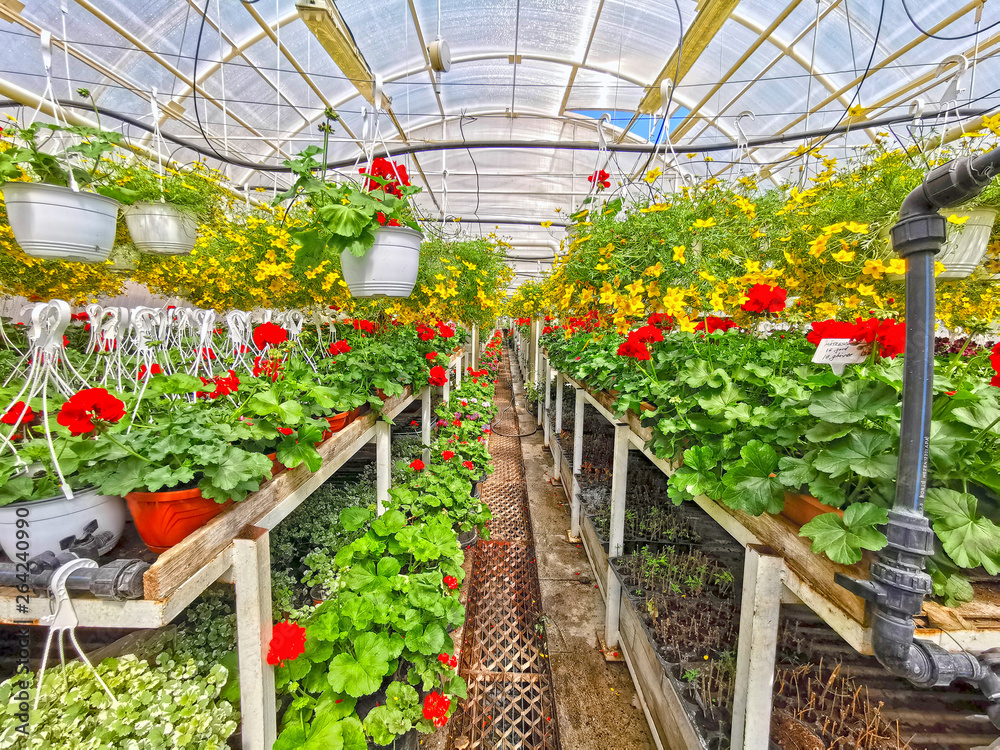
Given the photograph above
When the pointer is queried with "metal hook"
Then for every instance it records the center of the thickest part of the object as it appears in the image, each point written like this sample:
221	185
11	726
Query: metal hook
741	140
952	91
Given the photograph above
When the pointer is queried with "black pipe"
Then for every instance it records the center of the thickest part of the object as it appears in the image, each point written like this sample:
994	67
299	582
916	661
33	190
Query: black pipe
898	579
416	148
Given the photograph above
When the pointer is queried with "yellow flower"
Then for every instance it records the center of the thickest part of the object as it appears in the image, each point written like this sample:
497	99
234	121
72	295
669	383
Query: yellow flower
896	267
546	224
679	254
655	208
956	219
345	200
707	276
844	256
853	226
602	266
686	324
938	268
866	290
652	175
654	271
874	268
704	223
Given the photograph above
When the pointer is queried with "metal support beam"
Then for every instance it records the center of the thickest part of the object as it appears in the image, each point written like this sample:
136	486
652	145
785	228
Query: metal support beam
383	464
616	535
763	571
252	576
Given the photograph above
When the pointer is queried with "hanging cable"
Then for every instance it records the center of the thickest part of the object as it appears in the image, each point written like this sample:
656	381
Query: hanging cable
960	37
194	83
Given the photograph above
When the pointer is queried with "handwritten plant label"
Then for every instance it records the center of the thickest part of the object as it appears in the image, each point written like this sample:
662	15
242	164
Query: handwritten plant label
838	353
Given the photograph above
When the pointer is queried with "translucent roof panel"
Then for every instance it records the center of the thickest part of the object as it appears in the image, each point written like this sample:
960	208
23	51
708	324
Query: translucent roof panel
522	71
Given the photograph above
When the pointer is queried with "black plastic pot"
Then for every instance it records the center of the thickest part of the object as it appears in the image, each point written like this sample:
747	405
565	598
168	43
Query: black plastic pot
468	538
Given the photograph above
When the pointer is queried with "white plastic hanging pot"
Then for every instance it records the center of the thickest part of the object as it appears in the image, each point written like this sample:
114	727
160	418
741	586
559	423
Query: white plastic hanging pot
161	229
966	245
389	268
50	521
58	223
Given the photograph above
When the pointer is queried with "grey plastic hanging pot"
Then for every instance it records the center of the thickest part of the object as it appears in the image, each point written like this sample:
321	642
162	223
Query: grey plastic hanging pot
389	268
161	229
57	518
57	223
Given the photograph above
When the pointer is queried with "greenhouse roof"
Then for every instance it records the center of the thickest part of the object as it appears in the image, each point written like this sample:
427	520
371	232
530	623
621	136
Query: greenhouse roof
252	79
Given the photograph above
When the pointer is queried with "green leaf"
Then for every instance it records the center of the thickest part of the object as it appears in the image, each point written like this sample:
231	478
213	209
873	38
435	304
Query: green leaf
167	476
981	415
238	466
796	472
863	452
951	587
16	489
828	490
128	475
855	401
697	475
389	523
751	483
969	539
294	453
826	431
344	220
362	673
842	539
353	519
177	383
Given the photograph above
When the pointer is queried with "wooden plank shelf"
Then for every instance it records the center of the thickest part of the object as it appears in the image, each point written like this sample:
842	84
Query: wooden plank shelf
974	626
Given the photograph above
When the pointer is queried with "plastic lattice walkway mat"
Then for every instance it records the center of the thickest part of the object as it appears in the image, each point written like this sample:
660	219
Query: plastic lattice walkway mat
511	703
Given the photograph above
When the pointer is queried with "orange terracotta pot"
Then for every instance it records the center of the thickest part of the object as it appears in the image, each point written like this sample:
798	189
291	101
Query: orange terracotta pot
338	421
165	518
801	509
276	466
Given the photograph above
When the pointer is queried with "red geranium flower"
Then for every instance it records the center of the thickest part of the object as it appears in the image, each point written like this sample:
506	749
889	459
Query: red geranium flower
435	708
456	423
84	409
646	335
155	370
762	298
286	430
601	179
632	348
393	173
288	642
711	324
451	582
431	356
438	376
339	347
447	455
468	465
18	413
442	423
269	334
365	326
417	465
444	330
414	423
448	661
267	367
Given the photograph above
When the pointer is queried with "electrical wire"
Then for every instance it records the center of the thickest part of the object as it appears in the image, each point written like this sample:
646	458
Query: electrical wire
960	37
461	128
194	83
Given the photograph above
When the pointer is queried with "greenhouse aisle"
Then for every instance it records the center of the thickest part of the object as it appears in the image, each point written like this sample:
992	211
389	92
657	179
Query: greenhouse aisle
533	615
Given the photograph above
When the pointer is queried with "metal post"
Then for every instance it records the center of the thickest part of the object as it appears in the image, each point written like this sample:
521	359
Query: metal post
383	464
616	537
763	572
581	402
252	577
559	401
425	421
474	364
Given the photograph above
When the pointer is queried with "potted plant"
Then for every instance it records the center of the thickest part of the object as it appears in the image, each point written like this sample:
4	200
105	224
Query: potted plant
49	214
35	513
163	209
369	226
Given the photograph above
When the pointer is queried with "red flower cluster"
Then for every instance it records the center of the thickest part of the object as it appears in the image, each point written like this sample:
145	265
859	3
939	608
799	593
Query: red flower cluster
711	324
444	330
269	368
890	335
451	582
588	322
391	172
468	465
995	362
447	455
286	431
80	316
661	320
288	642
381	220
269	334
438	376
18	413
601	178
436	707
87	409
431	356
456	423
762	298
154	370
523	321
448	661
548	329
339	347
224	385
426	333
417	465
635	345
365	326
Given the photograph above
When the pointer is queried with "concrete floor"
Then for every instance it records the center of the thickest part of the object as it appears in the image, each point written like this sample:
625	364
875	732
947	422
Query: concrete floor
596	701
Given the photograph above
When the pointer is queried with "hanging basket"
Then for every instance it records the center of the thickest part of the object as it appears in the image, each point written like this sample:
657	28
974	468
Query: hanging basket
52	520
57	223
389	268
966	245
161	229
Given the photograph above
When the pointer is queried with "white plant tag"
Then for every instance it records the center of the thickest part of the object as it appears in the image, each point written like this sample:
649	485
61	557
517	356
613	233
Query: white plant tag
838	353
